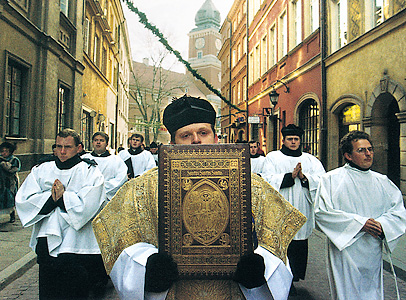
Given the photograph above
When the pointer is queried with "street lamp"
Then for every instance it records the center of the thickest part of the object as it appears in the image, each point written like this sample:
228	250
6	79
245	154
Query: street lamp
273	96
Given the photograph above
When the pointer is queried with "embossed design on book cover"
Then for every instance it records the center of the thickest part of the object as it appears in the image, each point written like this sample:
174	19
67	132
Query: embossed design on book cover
205	207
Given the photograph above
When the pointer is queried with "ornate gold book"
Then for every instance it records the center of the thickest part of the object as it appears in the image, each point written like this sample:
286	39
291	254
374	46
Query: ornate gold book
205	217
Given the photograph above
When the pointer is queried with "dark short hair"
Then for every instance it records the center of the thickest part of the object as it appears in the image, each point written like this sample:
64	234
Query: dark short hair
136	135
64	133
253	142
101	133
352	136
11	147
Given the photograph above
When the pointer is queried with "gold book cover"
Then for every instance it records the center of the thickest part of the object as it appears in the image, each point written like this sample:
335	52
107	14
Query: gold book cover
205	219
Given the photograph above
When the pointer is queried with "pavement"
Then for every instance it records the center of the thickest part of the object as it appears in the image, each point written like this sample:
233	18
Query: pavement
16	257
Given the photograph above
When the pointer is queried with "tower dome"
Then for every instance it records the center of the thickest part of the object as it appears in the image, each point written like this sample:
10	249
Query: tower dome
207	17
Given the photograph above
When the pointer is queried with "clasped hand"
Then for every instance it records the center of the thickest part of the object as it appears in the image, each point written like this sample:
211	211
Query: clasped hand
57	190
297	171
373	227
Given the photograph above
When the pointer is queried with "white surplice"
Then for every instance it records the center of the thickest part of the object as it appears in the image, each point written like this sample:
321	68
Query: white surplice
114	171
70	231
128	275
141	162
277	165
346	199
257	164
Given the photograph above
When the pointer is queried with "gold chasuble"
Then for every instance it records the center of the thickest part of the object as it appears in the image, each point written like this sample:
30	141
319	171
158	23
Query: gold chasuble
132	217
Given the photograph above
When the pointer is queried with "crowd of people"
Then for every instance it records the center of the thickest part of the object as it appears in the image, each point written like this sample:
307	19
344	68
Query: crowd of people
94	215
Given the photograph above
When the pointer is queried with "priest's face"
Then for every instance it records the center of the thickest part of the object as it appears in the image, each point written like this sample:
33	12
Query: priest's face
99	144
291	142
135	142
66	148
198	133
362	154
253	148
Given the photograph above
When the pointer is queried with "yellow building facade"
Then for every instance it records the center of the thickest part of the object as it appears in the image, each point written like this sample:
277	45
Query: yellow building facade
365	80
107	57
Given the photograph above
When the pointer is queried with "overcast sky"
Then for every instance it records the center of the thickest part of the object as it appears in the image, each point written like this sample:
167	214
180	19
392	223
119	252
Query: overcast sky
175	19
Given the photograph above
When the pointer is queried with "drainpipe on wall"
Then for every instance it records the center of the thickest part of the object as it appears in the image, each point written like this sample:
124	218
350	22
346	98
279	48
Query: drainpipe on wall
229	88
118	87
247	84
324	137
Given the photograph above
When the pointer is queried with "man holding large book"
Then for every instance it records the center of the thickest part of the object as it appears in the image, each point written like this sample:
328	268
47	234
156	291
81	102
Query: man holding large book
127	230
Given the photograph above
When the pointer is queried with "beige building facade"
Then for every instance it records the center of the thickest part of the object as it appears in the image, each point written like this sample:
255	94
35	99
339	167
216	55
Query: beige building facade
41	47
365	80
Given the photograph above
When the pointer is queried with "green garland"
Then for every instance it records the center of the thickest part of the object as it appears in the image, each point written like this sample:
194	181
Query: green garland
144	20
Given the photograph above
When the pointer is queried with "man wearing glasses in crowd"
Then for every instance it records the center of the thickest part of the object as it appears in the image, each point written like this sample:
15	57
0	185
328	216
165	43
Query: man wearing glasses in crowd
358	209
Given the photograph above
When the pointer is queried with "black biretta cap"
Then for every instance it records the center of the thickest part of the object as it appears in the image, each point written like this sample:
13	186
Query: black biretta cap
292	129
188	110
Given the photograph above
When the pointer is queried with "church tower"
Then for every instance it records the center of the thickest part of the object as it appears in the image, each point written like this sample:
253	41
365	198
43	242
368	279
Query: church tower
204	45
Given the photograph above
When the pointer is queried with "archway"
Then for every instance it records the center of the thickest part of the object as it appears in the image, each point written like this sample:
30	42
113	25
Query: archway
385	133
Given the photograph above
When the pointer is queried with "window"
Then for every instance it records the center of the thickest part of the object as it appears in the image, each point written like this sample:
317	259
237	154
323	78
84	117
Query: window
309	121
350	119
314	14
64	5
244	45
374	14
254	132
96	51
342	23
251	68
297	10
199	54
239	92
283	34
86	35
15	83
244	88
264	54
112	133
63	98
86	131
257	63
272	46
104	61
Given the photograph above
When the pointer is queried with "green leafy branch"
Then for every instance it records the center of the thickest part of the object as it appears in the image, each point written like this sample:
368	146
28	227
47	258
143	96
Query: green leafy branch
144	20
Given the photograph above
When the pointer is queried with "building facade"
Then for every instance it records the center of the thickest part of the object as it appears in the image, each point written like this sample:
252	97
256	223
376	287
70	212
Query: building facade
41	47
282	40
233	57
365	79
107	57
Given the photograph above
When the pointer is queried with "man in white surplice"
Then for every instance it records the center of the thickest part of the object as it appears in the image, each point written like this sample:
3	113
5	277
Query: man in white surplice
59	198
137	159
112	166
357	209
295	174
257	160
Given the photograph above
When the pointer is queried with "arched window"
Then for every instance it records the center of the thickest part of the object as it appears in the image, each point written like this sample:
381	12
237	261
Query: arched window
309	121
349	119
